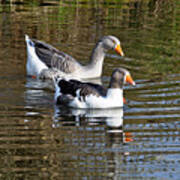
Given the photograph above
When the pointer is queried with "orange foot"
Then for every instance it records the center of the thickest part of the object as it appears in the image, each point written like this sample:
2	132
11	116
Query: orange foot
124	100
34	77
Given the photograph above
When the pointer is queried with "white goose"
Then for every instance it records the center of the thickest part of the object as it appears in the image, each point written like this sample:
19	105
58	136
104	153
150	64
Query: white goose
45	61
78	94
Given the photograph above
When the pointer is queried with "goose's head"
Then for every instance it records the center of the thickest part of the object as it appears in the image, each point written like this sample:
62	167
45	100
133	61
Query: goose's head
119	77
111	42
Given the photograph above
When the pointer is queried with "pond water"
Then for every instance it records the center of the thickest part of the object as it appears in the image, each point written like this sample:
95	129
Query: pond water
141	141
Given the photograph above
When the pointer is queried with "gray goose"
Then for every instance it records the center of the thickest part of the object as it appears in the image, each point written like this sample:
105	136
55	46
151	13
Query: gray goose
45	61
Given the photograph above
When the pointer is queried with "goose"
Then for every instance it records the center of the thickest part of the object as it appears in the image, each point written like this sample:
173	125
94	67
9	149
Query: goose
77	94
46	62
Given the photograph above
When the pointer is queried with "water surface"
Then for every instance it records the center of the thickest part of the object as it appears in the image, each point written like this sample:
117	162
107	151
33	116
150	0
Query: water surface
39	140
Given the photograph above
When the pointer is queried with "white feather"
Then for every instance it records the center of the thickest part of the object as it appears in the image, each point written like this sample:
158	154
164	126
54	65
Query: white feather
34	65
113	99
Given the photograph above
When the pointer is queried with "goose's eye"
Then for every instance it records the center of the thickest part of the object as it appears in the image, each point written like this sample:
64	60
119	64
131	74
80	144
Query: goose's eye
113	41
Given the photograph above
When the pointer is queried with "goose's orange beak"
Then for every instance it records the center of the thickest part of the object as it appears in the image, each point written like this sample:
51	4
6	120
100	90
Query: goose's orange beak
130	80
118	49
124	100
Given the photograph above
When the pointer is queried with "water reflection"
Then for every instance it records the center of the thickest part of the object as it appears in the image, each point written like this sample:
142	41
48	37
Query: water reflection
96	138
38	93
38	142
112	119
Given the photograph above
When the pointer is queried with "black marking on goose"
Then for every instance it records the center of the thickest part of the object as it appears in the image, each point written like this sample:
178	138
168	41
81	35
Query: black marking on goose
77	94
71	87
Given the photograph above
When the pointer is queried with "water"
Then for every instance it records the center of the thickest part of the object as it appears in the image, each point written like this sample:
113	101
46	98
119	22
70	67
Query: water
141	141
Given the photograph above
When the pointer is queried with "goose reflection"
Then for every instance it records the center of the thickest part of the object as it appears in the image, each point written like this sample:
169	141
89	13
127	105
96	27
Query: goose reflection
49	84
113	118
109	119
38	93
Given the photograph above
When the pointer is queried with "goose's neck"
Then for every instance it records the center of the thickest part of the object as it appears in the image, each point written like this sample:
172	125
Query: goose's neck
96	60
115	85
98	53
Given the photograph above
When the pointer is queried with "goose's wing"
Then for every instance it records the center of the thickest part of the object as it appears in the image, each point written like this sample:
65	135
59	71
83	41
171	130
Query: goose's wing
52	57
72	86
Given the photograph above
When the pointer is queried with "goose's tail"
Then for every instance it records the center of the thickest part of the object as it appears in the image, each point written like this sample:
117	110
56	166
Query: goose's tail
28	40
